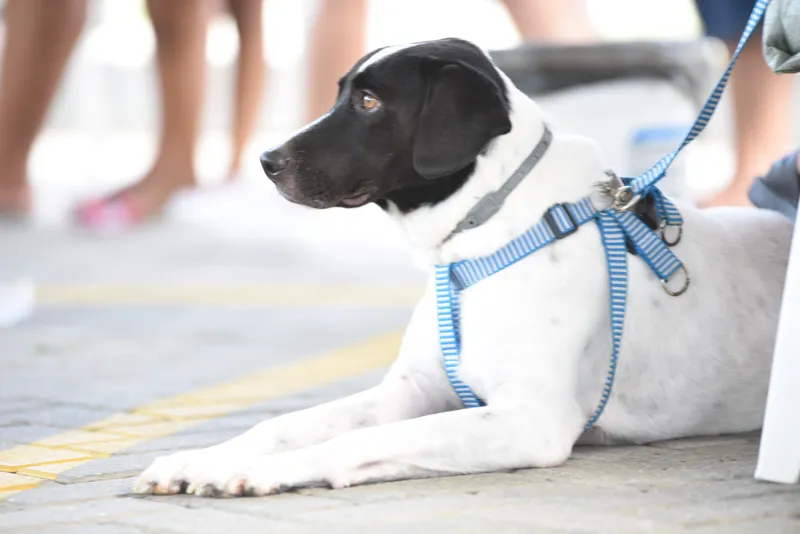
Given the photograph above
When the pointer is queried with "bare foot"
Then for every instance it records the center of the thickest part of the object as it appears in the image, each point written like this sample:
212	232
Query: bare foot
733	195
136	203
14	201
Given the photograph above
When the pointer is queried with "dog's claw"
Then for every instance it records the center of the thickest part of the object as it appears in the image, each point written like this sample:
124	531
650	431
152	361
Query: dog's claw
143	488
211	475
208	490
158	489
178	486
237	487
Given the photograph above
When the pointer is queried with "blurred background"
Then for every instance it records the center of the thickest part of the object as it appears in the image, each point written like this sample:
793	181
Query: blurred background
101	131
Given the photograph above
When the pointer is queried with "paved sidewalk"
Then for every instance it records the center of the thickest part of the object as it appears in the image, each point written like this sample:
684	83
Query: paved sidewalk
170	339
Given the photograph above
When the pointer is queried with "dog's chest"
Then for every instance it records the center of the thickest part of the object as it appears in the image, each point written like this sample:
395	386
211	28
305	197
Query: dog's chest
514	322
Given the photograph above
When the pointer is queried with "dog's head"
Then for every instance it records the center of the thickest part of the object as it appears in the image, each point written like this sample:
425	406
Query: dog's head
407	126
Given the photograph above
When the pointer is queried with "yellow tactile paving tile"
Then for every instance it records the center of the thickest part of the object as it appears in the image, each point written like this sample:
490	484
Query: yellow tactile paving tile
191	401
14	482
12	460
107	447
51	471
47	458
284	296
159	429
192	410
89	442
110	424
73	438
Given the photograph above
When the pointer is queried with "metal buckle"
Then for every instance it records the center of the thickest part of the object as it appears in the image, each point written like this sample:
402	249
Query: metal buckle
685	286
549	218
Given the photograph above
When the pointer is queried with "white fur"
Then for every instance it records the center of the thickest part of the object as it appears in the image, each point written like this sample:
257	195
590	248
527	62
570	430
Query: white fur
536	346
382	54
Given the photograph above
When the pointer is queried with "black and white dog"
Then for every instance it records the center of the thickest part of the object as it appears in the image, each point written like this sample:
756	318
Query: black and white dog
425	131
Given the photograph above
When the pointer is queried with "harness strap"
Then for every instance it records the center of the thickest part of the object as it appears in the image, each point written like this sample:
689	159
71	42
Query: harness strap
649	246
448	315
558	222
613	237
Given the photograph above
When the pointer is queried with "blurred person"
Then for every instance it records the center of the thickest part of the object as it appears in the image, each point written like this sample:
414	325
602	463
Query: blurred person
339	38
762	100
180	27
40	36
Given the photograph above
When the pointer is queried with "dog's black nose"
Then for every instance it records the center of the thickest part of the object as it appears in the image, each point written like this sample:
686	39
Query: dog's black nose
274	162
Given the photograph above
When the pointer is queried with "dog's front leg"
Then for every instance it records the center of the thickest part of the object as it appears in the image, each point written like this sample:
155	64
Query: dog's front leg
395	399
415	386
459	442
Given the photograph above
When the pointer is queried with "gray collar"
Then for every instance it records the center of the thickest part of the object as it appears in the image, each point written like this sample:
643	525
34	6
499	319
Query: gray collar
492	202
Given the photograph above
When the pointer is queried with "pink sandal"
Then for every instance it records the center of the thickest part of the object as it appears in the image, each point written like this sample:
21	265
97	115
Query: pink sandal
117	213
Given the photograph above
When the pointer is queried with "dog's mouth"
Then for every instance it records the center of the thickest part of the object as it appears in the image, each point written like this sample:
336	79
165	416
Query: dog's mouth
361	197
356	201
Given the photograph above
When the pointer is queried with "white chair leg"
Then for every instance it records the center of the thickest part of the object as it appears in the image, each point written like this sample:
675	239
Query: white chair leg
779	453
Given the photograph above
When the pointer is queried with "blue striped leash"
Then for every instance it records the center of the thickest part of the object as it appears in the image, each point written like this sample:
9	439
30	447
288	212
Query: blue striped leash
616	224
645	181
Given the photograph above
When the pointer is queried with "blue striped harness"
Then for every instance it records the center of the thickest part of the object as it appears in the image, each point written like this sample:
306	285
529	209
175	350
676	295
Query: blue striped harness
616	224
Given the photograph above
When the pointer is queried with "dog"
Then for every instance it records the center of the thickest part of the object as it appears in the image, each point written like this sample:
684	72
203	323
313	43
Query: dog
425	131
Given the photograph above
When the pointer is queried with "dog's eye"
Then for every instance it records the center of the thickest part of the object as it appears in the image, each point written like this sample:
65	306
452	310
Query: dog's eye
369	102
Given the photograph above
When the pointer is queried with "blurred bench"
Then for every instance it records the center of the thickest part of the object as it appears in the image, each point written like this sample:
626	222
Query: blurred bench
636	99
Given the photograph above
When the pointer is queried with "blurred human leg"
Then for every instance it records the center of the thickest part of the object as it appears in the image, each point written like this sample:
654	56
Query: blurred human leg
762	101
180	27
40	37
338	40
250	78
564	21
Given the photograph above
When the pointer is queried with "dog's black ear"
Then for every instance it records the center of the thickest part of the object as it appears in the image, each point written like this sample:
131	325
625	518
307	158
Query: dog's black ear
464	109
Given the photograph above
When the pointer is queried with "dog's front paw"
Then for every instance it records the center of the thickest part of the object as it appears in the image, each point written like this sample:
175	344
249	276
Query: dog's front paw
268	475
166	475
188	471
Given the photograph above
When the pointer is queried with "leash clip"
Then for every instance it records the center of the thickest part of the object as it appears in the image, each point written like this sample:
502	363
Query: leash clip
622	196
624	199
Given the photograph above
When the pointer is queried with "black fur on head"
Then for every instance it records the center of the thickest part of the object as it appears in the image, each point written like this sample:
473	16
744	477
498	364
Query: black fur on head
406	127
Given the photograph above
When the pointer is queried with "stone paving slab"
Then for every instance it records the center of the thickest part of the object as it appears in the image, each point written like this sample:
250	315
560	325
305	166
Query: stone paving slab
123	466
52	493
192	521
22	433
97	528
63	416
10	407
67	514
593	493
154	350
109	366
689	485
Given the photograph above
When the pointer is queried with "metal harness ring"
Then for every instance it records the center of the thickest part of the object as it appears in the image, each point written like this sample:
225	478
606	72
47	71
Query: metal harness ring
662	231
683	289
